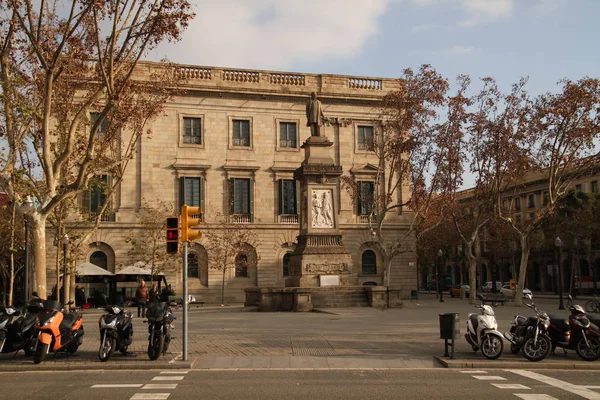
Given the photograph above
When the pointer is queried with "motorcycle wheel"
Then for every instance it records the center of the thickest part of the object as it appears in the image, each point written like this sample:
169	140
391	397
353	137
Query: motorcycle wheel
40	353
591	352
514	348
155	348
491	346
29	348
538	351
166	346
106	351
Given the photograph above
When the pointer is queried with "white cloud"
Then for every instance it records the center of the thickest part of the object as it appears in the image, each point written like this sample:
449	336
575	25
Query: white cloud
275	34
459	50
423	28
480	11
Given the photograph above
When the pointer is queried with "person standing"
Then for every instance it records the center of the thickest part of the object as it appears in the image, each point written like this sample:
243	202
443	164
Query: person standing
141	296
154	295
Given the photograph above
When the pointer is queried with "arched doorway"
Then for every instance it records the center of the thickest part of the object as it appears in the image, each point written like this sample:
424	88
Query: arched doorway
99	259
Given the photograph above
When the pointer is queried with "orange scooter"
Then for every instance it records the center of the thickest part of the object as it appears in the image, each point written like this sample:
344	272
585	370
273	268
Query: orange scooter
57	330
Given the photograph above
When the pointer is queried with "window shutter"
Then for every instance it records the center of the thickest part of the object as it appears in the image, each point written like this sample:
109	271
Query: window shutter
181	191
281	196
201	199
246	132
250	184
297	187
86	200
231	196
360	198
108	194
292	135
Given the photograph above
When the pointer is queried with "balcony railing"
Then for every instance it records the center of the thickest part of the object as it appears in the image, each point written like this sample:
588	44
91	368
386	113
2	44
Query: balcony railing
240	218
105	217
366	219
288	219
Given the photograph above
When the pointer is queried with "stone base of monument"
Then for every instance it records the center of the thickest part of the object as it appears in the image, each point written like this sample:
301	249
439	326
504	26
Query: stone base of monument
306	298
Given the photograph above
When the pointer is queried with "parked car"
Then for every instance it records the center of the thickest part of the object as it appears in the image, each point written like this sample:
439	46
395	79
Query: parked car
488	286
508	292
455	290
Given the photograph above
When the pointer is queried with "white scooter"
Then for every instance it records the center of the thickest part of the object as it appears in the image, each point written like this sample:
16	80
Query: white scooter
482	333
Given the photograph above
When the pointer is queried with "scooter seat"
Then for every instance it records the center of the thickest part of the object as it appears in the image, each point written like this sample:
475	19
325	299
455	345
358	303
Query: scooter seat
68	320
560	322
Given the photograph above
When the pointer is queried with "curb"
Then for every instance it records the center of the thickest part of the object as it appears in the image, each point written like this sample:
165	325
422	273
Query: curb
495	364
87	366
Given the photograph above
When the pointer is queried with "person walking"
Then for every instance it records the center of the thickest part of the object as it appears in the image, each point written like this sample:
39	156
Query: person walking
154	295
141	296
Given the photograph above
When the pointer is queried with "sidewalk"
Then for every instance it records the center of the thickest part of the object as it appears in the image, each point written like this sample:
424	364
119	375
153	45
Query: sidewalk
227	338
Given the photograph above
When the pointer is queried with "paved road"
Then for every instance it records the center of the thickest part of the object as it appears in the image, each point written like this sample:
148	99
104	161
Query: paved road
226	338
344	384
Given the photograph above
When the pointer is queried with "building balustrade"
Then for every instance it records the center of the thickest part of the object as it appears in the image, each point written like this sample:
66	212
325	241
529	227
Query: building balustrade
363	83
288	219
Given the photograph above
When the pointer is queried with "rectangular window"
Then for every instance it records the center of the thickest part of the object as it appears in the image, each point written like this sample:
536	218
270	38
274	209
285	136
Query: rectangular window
365	199
96	195
94	116
287	135
191	130
241	132
287	197
241	199
594	186
365	137
517	204
191	192
578	187
531	201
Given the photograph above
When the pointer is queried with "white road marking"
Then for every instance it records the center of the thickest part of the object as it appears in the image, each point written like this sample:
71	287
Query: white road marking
535	396
156	386
174	372
176	358
510	386
590	387
117	385
489	378
569	387
473	372
150	396
168	378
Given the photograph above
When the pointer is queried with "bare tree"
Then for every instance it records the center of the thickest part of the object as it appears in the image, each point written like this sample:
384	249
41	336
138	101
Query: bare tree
59	61
230	246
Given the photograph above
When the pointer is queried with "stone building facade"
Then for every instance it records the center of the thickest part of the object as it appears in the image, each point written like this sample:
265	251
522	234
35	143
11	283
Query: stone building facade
230	145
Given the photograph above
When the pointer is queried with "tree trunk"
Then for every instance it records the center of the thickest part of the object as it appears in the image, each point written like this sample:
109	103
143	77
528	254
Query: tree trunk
472	260
522	269
223	288
39	253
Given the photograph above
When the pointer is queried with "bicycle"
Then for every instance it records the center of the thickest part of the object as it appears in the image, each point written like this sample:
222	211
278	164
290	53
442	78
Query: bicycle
593	305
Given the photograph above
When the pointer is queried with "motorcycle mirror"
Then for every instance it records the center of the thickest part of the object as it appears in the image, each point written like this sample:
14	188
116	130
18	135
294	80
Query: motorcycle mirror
529	296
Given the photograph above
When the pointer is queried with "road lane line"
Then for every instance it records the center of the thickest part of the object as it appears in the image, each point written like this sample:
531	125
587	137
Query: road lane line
118	385
473	372
510	386
150	396
566	386
174	372
162	386
489	378
535	396
168	378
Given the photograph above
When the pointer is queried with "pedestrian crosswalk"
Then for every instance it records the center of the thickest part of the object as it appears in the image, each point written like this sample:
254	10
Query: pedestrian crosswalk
146	394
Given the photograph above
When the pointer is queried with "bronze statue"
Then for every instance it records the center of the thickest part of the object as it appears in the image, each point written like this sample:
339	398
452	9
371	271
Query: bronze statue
314	115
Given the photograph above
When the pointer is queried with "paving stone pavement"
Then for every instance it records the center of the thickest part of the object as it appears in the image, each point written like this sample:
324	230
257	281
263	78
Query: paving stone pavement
225	338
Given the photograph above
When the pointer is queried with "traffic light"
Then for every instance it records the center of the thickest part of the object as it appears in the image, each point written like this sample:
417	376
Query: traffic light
172	235
190	216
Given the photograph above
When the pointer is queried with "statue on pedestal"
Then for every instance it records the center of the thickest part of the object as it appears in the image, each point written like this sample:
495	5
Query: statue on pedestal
314	115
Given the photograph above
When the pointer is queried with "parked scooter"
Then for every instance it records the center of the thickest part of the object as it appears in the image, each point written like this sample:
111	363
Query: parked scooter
160	319
57	330
577	333
17	330
482	332
530	334
116	331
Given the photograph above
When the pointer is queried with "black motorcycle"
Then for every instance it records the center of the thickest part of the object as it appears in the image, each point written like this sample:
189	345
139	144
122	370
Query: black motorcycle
530	335
160	322
116	331
17	328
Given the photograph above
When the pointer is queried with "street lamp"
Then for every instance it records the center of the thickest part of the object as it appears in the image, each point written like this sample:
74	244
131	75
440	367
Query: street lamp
65	243
27	208
440	286
558	244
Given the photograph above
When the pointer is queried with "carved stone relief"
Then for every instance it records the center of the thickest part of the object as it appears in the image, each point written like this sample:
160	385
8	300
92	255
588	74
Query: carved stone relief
322	208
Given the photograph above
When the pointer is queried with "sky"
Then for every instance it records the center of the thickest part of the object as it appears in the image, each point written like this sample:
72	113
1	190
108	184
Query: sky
544	40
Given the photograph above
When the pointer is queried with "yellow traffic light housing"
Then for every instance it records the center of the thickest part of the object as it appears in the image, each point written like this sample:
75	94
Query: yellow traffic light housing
172	235
190	216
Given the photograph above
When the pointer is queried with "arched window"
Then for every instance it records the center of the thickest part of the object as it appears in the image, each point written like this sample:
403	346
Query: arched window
369	262
286	264
99	259
193	266
241	265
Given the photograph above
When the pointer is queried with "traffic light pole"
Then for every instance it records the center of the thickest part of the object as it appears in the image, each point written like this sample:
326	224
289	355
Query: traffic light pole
185	301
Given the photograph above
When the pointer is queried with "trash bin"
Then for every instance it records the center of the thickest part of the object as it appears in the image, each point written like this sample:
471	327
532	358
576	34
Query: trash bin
449	326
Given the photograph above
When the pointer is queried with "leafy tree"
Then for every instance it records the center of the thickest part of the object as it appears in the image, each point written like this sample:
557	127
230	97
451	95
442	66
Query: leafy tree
60	61
230	246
